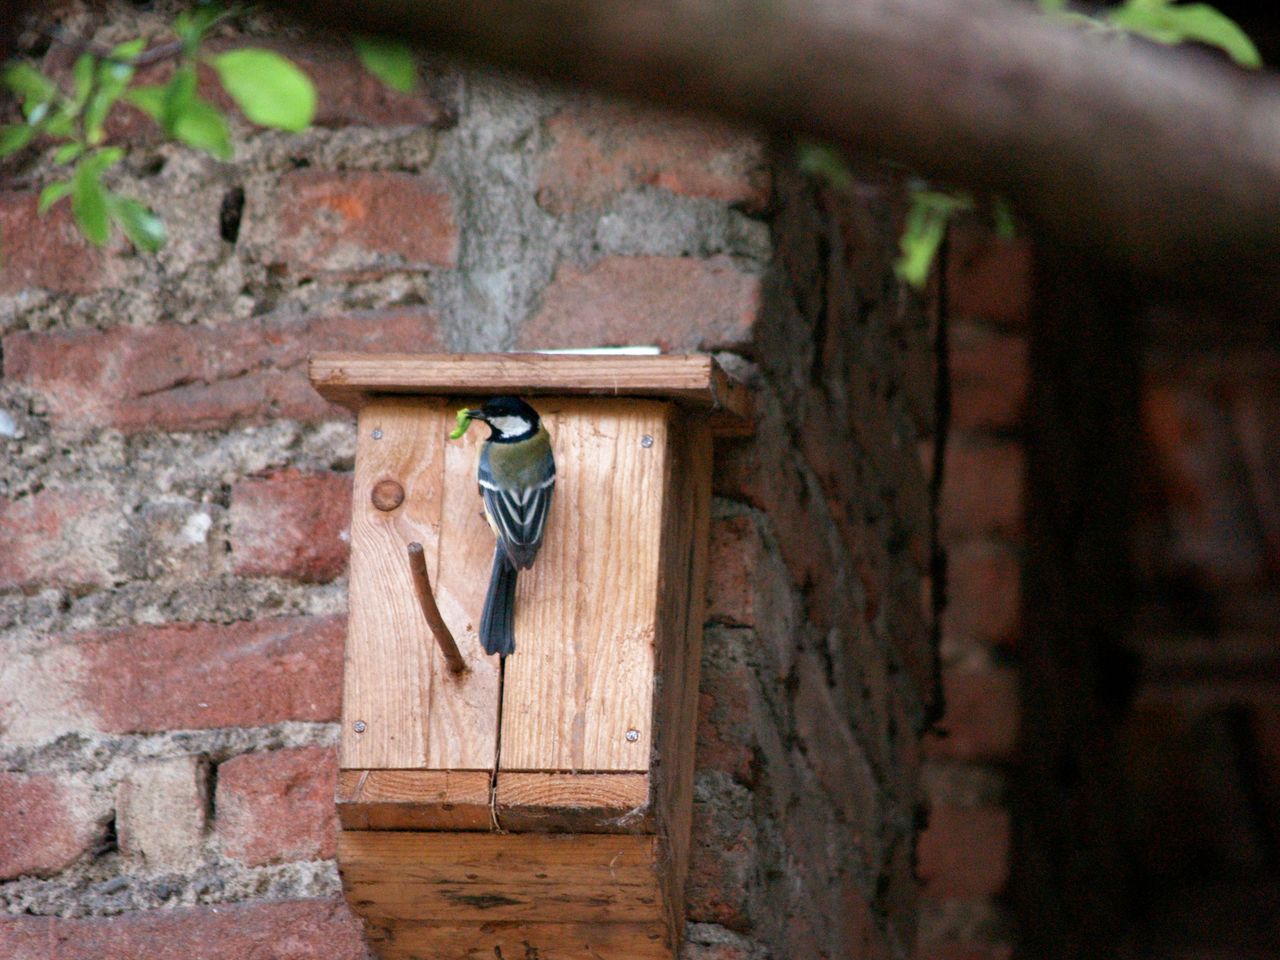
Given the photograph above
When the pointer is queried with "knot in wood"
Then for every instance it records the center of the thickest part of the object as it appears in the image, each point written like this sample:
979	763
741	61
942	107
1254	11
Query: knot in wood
387	495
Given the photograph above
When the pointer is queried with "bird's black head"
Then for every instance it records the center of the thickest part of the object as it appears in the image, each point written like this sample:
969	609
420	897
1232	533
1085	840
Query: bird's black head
509	419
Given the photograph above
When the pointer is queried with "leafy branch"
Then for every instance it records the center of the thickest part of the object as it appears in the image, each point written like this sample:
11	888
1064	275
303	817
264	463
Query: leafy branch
269	90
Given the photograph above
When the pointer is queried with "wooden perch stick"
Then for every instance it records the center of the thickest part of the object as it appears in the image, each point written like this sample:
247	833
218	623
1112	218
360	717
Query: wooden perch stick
427	600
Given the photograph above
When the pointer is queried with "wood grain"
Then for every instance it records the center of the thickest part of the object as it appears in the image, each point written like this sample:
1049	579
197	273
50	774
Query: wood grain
407	940
682	587
694	380
464	877
465	552
414	800
608	633
575	802
581	678
415	713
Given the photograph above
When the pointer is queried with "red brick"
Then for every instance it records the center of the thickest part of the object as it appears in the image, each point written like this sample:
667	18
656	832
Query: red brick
598	151
346	93
677	303
965	951
291	524
964	852
823	726
989	278
1211	480
172	377
1266	736
48	822
48	252
736	549
719	951
722	864
278	806
161	808
982	489
201	675
981	719
989	378
983	593
66	537
278	930
726	725
359	222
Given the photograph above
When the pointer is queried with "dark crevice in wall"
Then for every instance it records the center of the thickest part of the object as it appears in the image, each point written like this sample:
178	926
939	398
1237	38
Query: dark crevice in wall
935	706
110	840
230	213
1071	884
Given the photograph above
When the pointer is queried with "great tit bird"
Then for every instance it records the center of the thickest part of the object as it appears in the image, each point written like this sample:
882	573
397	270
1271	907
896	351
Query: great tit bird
517	475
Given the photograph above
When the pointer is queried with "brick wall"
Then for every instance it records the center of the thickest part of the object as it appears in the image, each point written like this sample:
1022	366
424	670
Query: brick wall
965	855
172	588
1200	748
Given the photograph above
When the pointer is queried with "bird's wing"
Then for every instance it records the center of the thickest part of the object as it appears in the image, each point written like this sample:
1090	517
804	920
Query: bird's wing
519	515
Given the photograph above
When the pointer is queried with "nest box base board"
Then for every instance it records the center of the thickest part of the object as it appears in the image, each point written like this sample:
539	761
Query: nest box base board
455	895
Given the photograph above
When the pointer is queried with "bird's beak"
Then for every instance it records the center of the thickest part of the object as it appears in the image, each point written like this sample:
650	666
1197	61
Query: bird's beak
476	415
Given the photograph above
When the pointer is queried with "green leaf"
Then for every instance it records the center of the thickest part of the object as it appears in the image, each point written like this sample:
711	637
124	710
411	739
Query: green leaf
179	93
1002	218
29	84
143	228
112	80
1196	22
128	50
922	234
51	194
1204	24
98	162
14	137
89	204
270	90
202	125
68	152
82	74
824	161
391	61
62	123
149	99
191	25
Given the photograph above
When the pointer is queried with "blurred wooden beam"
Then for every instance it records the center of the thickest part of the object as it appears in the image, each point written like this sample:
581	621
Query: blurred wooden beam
1161	160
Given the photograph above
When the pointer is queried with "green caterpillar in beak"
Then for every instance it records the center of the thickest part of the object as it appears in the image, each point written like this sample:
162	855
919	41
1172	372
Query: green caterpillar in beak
464	421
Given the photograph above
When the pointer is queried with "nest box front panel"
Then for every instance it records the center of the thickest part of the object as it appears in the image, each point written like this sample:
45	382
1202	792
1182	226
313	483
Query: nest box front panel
401	707
578	693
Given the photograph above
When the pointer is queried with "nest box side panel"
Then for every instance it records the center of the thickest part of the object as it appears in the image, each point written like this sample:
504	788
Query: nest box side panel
681	605
578	693
402	709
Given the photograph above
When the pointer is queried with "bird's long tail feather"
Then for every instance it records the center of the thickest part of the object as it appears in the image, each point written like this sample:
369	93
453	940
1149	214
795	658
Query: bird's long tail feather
497	623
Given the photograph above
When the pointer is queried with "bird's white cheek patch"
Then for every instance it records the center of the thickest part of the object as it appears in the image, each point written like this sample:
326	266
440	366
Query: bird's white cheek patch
510	426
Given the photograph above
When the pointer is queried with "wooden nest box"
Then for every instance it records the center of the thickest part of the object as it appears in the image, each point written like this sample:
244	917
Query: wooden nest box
538	807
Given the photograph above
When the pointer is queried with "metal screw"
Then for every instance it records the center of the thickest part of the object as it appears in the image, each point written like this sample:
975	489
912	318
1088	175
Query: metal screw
646	441
358	726
633	736
377	434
